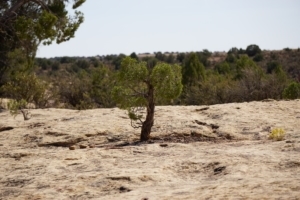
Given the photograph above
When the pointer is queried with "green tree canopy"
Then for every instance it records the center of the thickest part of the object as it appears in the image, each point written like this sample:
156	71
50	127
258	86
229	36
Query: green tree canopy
193	70
25	24
252	50
141	87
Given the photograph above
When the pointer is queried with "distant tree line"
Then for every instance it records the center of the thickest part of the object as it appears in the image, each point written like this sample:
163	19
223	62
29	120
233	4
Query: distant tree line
236	76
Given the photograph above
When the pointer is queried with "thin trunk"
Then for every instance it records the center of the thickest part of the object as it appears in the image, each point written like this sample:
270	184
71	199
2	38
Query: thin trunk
148	123
26	114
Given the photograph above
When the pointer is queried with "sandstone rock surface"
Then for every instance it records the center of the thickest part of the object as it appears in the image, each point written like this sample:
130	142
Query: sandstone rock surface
196	152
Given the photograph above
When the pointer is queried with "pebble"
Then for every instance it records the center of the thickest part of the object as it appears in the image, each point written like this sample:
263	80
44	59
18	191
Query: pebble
83	146
72	147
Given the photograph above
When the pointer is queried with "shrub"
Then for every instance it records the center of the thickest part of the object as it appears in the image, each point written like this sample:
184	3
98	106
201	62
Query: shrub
271	66
28	87
15	105
75	91
277	134
252	50
223	68
55	66
83	64
292	91
230	58
258	57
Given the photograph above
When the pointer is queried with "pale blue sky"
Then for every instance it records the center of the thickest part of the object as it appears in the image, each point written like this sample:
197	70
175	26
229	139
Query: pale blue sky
126	26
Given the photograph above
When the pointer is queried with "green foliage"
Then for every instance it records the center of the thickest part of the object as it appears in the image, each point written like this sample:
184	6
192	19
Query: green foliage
250	85
117	60
170	59
230	58
26	24
233	50
203	57
166	80
258	57
83	64
55	66
243	63
277	134
43	63
151	62
160	56
252	50
132	84
193	70
180	57
272	66
75	91
78	3
134	56
137	86
27	87
15	105
215	90
95	62
66	59
223	68
102	84
292	91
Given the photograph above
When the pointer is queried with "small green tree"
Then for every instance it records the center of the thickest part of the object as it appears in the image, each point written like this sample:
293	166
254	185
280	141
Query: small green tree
102	84
252	50
140	87
27	87
292	91
24	88
15	105
134	56
223	68
193	70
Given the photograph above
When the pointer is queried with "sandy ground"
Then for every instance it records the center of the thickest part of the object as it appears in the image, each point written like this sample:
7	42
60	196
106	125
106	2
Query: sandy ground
196	152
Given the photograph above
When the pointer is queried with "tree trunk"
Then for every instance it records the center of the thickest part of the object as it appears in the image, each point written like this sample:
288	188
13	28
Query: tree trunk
148	123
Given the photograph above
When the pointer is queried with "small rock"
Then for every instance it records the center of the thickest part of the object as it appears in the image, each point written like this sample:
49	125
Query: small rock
72	147
124	189
202	109
218	170
83	146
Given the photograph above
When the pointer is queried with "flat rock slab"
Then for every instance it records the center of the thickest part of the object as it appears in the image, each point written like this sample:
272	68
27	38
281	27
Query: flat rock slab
195	152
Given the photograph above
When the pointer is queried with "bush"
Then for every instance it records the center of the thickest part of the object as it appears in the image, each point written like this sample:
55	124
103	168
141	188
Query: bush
55	66
66	59
75	91
271	66
292	91
277	134
223	68
15	105
83	64
258	57
27	87
252	50
230	58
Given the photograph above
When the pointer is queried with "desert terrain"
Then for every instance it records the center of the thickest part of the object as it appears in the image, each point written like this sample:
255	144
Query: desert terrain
195	152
